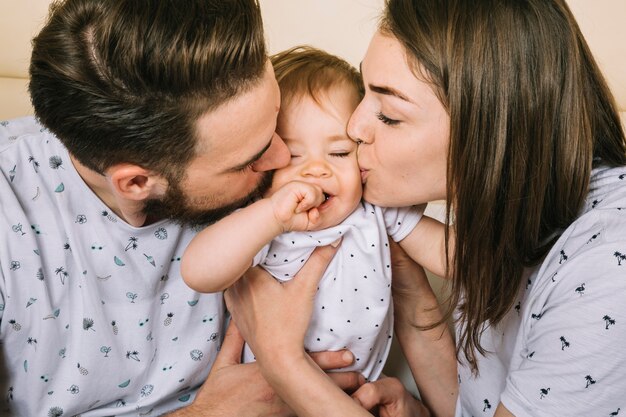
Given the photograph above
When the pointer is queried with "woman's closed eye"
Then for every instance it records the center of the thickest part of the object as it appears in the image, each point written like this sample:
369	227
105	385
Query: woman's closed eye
386	120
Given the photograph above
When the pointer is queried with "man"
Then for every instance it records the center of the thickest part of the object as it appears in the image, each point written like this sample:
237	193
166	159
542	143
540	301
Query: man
155	115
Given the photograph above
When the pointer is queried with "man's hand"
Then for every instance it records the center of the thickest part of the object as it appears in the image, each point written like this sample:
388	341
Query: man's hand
391	399
329	361
233	389
273	316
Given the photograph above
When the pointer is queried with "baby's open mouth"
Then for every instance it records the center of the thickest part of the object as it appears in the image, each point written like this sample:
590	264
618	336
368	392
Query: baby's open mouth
327	201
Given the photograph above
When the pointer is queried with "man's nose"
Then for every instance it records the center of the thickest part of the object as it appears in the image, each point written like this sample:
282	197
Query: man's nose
277	156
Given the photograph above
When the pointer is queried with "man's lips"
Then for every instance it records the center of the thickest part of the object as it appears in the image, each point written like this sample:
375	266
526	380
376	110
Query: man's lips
364	173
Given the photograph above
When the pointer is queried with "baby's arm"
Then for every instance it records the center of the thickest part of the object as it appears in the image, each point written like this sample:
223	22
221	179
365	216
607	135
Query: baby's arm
221	253
426	245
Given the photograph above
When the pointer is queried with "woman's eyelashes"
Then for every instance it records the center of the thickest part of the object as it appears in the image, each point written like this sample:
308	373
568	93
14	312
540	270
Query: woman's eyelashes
386	120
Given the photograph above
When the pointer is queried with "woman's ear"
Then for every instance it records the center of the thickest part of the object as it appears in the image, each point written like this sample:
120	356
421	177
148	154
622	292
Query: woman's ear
133	182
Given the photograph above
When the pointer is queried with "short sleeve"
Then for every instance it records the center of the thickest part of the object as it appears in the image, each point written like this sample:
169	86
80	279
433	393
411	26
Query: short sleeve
400	221
574	360
260	257
12	129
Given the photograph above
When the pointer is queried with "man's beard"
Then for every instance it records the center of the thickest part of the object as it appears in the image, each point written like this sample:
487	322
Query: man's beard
176	206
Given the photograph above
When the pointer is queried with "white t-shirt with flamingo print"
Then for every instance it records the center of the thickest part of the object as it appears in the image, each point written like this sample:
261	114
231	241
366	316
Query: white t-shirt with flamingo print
561	350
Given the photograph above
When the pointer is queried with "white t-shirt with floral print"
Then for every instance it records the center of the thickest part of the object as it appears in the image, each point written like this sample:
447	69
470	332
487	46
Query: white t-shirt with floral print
95	319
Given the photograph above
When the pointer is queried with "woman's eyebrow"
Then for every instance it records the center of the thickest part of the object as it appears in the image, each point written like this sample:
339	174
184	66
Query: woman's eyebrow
389	91
385	90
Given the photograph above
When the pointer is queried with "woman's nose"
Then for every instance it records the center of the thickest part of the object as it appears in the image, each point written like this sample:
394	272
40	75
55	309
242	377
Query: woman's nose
357	126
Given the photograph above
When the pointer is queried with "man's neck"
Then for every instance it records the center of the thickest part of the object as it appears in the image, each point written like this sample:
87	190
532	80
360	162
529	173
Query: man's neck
130	211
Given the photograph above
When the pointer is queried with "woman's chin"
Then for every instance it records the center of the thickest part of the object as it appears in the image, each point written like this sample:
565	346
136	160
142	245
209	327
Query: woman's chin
386	200
374	198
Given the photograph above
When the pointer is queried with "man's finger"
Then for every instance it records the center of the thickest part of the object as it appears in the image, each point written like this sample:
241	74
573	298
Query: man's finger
383	391
347	381
328	360
312	272
232	347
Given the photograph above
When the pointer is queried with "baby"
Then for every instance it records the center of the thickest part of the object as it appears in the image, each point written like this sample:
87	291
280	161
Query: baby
315	201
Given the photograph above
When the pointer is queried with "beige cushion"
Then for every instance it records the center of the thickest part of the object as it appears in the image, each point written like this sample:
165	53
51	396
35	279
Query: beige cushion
15	101
19	22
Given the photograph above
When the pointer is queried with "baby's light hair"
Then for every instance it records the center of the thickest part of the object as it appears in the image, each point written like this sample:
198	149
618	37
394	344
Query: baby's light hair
307	71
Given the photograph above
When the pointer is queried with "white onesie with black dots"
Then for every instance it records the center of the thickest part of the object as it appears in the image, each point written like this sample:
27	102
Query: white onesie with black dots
353	308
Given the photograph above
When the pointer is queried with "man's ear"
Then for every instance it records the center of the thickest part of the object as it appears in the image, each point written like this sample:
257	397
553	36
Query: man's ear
133	182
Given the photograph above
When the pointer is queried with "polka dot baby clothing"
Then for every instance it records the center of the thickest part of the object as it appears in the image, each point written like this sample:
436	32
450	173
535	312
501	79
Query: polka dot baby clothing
353	307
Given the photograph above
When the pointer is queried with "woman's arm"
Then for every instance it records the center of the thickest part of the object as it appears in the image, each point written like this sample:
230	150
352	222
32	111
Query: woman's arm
426	245
431	354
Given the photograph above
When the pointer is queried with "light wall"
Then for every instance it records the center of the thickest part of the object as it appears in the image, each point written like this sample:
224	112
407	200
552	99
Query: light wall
342	27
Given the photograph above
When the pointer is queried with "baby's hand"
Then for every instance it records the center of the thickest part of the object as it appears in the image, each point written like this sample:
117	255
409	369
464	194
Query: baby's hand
295	205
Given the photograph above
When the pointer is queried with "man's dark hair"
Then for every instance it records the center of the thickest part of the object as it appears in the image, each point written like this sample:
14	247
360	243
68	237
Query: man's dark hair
126	80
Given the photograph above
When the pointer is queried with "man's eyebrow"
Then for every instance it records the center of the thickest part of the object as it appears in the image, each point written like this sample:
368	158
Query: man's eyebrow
388	91
252	160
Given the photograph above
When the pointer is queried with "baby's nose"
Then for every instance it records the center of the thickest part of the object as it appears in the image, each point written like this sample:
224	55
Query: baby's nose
316	168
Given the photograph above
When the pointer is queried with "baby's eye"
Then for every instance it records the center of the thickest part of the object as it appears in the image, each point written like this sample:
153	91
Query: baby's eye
340	154
294	156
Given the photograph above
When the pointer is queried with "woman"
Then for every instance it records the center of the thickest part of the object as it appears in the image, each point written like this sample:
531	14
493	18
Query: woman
497	107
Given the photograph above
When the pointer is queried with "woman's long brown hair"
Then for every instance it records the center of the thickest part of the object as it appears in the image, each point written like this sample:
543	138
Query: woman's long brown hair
530	114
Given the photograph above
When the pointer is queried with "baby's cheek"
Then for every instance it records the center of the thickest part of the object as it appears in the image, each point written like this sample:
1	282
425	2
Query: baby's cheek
281	177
